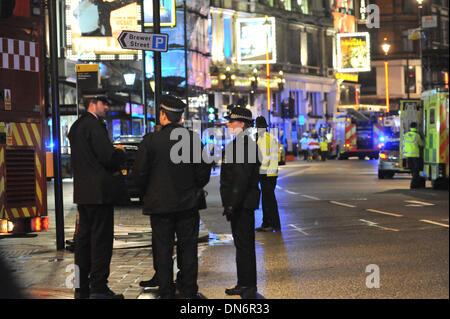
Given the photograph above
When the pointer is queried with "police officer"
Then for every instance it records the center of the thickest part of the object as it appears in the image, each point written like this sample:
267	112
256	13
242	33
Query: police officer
323	148
171	173
411	150
304	145
240	198
268	173
94	163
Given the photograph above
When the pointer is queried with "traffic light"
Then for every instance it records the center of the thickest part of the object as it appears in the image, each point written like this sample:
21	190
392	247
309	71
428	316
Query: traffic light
6	8
284	110
212	114
291	108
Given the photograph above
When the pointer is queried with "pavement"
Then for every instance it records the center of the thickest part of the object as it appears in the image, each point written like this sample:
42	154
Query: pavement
345	234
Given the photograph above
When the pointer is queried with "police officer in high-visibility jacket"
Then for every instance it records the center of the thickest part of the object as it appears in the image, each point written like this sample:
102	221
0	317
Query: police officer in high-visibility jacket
323	149
268	174
412	142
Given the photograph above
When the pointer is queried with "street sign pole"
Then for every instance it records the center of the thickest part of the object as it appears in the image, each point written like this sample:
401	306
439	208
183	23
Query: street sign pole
157	60
144	79
59	206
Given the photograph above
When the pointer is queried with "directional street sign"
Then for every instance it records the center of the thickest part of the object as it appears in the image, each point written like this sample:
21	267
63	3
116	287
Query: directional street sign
143	41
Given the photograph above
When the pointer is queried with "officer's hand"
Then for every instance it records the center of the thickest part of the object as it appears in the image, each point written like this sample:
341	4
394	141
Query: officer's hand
228	212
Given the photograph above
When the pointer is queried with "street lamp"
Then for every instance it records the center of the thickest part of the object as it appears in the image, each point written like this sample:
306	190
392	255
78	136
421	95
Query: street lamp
420	2
386	47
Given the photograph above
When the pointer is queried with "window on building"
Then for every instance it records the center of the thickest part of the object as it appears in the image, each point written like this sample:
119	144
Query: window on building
444	30
410	79
408	45
313	53
304	5
409	6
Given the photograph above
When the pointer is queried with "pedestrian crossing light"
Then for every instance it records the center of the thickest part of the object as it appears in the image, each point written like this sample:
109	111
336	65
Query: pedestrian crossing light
212	113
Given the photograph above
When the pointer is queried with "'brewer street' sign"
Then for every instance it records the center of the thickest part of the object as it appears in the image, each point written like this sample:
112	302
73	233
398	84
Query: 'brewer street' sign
133	40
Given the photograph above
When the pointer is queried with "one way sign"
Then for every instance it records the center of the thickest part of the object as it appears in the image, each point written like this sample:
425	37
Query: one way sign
133	40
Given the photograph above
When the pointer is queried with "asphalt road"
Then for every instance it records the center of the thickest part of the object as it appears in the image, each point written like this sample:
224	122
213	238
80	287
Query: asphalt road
345	234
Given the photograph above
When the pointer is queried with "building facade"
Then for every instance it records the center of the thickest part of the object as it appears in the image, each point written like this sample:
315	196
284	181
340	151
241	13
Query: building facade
412	66
297	89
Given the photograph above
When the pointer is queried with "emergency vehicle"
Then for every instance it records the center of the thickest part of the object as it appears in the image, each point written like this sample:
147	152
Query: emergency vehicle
23	192
431	115
357	131
435	128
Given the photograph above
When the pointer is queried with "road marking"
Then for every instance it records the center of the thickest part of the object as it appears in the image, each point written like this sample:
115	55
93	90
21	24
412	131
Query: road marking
372	224
298	229
342	204
414	205
311	197
418	202
384	213
432	222
279	187
293	193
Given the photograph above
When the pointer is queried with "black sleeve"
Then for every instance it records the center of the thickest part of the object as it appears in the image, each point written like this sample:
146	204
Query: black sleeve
202	169
142	164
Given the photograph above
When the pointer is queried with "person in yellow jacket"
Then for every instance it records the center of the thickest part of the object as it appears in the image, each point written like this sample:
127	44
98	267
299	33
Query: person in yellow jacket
268	174
323	149
412	142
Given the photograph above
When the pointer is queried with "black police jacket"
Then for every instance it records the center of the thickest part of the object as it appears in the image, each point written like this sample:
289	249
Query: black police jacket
94	161
239	174
170	170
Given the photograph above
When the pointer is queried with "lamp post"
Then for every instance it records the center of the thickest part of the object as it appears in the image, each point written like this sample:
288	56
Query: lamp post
420	2
129	81
386	47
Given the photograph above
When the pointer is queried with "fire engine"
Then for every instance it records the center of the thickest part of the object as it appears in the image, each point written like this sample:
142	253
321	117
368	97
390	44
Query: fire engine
23	196
357	131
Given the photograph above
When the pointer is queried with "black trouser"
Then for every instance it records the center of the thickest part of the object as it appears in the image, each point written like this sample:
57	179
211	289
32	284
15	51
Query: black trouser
305	154
243	229
94	245
323	155
414	166
185	225
271	217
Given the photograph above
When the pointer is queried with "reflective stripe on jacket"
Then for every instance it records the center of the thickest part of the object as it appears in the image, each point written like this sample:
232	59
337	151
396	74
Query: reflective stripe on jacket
411	144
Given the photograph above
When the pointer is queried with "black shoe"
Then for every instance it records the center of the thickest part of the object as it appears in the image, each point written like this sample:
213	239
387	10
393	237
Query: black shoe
150	283
108	294
238	290
81	293
190	296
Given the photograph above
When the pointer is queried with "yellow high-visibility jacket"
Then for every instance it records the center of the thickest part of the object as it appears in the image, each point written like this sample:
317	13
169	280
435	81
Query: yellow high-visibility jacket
323	145
268	146
411	144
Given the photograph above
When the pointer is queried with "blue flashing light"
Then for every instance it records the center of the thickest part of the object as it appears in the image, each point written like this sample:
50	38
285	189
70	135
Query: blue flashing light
382	139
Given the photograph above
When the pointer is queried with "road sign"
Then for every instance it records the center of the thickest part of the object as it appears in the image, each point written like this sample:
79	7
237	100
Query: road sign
143	41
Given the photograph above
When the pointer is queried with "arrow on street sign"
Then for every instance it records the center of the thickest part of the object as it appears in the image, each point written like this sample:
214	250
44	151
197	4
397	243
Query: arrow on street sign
133	40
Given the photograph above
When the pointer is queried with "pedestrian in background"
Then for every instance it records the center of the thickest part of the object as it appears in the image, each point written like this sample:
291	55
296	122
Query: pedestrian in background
240	193
323	149
412	142
313	147
96	166
172	192
304	141
268	174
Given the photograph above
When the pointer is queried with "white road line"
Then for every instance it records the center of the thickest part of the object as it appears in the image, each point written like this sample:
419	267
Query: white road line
418	202
293	193
298	229
311	197
432	222
384	213
342	204
372	224
414	205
